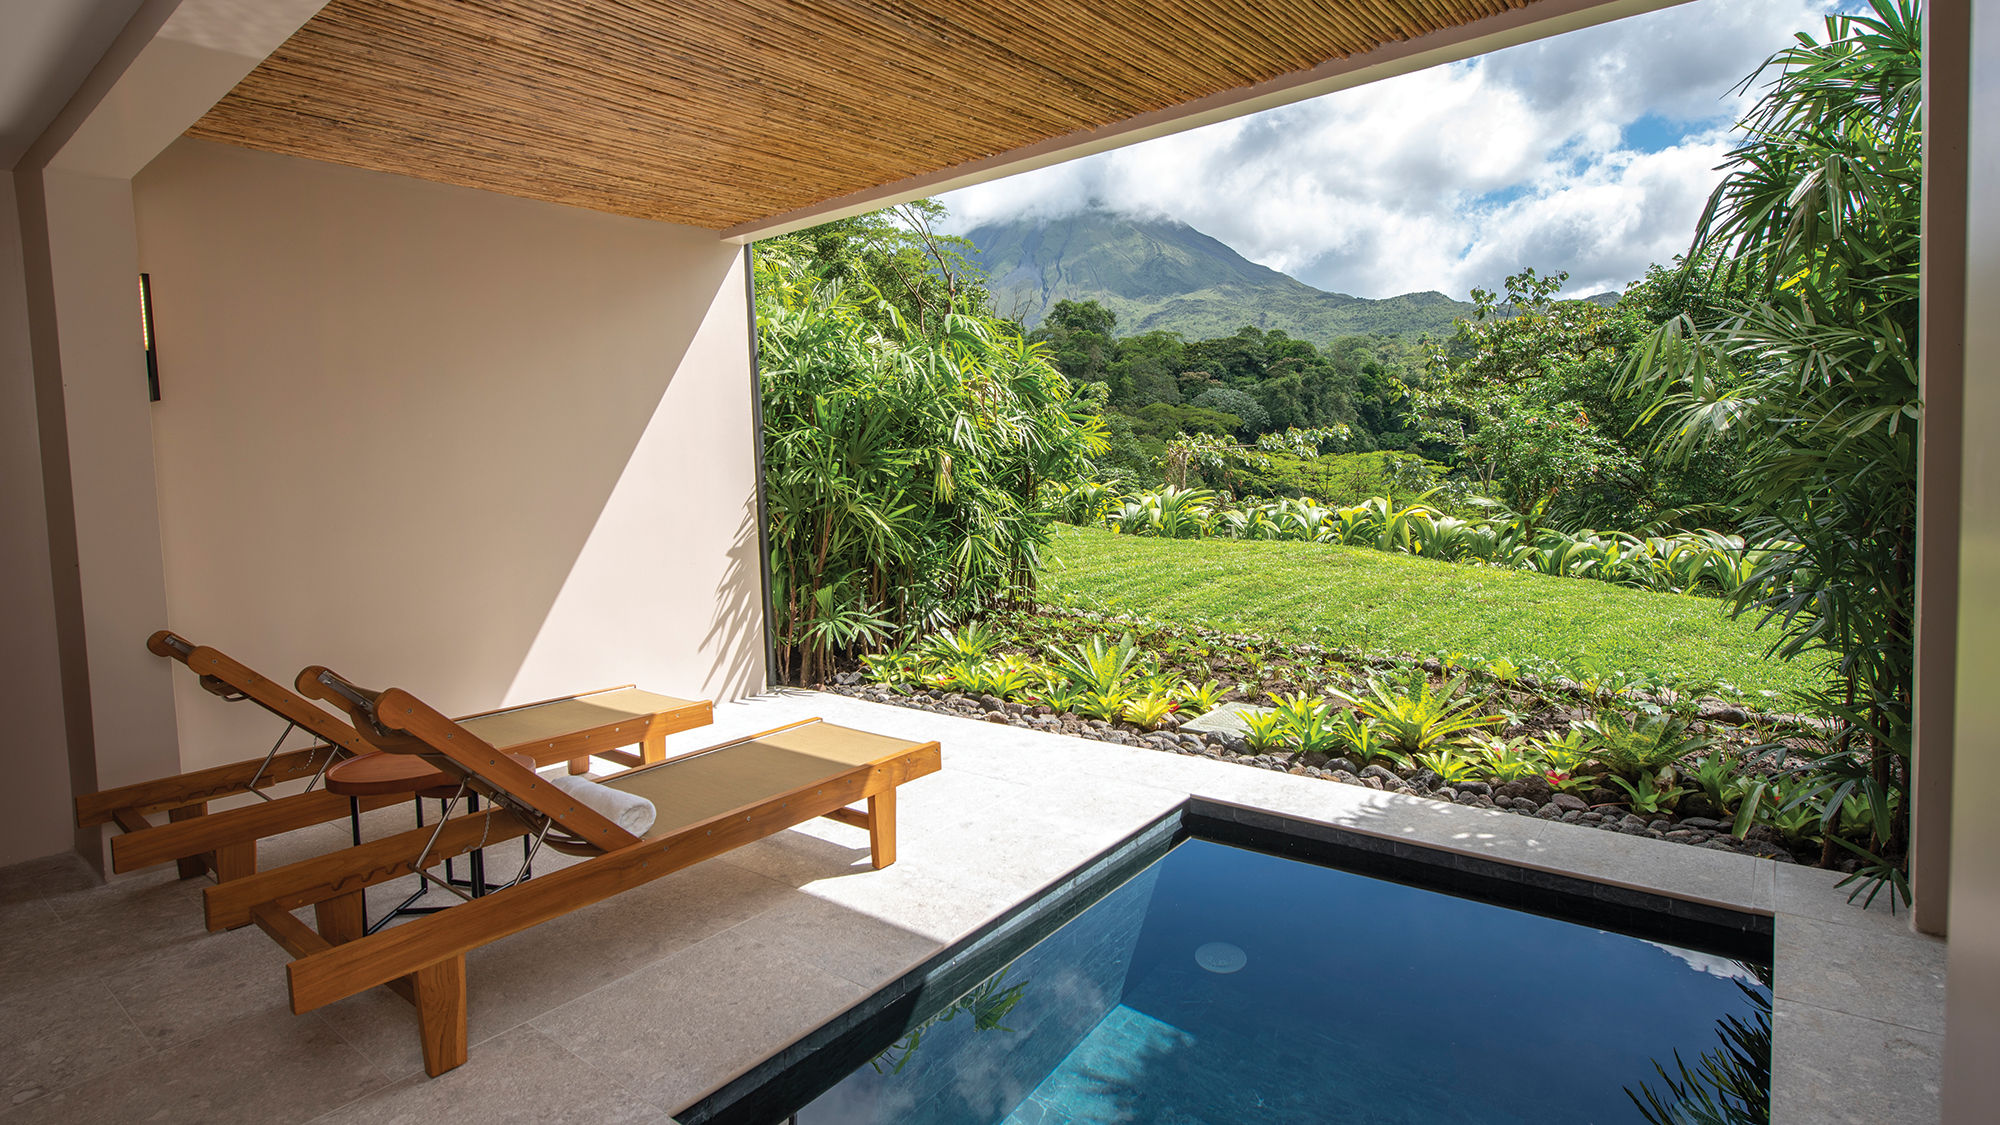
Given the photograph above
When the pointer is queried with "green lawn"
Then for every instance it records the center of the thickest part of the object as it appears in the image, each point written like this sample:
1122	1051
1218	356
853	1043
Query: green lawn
1379	601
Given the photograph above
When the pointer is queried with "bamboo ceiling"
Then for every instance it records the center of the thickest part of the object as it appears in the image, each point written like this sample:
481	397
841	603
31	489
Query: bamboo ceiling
720	112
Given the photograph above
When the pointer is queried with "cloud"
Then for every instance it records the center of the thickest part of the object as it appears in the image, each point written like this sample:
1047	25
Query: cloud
1591	152
1709	963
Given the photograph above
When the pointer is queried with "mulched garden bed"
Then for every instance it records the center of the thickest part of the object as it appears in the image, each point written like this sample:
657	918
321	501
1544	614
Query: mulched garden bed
1524	797
1254	666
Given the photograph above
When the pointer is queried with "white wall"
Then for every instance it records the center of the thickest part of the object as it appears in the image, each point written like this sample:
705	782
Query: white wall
35	748
483	448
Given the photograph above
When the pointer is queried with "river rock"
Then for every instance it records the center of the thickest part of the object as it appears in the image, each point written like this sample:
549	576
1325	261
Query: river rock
1535	789
1700	805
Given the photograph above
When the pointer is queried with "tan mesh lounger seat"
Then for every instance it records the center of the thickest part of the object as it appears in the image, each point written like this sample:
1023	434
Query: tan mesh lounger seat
707	803
699	787
571	728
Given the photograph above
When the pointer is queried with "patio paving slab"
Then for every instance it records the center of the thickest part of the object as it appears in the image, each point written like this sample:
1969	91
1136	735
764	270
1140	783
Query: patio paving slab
269	1067
1833	1068
122	1006
1826	963
718	1007
519	1078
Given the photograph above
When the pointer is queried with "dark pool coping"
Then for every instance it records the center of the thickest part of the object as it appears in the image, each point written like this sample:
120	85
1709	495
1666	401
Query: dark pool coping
1741	935
777	1086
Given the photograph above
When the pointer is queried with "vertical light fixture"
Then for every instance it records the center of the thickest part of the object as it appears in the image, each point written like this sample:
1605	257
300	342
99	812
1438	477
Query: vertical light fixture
146	334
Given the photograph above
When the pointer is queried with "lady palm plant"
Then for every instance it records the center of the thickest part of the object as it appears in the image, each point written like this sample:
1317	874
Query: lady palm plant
906	464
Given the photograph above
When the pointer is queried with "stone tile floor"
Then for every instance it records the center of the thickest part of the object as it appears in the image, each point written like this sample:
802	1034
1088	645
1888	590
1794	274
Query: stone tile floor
115	1003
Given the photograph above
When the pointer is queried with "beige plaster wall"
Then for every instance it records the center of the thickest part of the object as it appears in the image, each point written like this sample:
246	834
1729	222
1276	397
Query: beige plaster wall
33	747
482	448
1972	998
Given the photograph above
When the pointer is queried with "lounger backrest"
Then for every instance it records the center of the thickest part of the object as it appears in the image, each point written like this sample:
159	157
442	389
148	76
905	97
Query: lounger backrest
398	722
230	680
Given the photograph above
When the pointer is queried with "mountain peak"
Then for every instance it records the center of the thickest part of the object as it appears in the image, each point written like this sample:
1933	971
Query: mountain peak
1157	273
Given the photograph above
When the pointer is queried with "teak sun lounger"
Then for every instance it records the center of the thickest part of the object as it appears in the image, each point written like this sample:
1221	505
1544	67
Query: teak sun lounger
706	803
570	728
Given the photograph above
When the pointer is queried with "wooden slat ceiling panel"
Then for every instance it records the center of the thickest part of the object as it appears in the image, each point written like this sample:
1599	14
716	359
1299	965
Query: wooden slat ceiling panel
719	112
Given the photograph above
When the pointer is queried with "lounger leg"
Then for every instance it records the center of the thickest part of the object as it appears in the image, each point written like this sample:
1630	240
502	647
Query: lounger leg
441	1014
234	861
194	866
654	748
341	918
882	828
579	766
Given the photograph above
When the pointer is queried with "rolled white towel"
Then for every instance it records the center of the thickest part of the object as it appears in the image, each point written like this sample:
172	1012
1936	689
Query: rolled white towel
629	811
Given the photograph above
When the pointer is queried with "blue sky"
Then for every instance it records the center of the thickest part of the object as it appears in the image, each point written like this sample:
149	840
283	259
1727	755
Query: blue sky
1591	152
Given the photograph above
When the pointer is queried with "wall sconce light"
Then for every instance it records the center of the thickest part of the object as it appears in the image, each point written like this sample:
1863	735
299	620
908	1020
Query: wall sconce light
146	334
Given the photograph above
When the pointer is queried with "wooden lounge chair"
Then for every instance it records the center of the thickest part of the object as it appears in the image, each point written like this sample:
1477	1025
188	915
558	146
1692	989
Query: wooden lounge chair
706	803
569	728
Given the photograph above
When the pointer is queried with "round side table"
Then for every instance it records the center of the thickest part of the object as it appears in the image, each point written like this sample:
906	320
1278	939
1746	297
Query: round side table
380	773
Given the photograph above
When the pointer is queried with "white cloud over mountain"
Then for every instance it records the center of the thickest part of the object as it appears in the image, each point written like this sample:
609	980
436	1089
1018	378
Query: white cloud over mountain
1591	152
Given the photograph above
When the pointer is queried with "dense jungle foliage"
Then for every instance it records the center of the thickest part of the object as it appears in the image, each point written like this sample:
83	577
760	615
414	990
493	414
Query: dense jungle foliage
1741	422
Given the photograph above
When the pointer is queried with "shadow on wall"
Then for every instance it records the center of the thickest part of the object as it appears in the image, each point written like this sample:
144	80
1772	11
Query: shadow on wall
735	637
482	448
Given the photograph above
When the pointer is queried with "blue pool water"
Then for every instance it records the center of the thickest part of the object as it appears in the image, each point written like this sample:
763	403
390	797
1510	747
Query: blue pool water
1349	999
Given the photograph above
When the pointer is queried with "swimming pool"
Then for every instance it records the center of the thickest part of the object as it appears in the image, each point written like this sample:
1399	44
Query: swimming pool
1206	983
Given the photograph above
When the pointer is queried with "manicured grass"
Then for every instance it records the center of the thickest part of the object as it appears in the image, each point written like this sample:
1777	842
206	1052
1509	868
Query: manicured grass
1378	601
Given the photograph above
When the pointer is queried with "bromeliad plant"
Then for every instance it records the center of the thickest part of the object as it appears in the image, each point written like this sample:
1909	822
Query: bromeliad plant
1150	711
1308	724
1566	762
1632	748
1652	792
1265	731
1451	763
971	643
1101	667
1421	718
1508	759
1007	678
1200	699
1356	737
